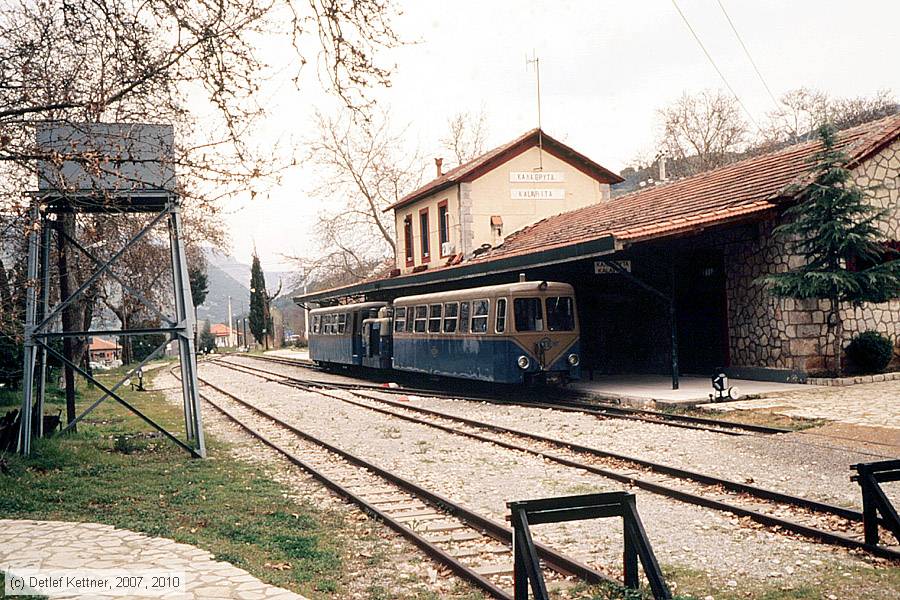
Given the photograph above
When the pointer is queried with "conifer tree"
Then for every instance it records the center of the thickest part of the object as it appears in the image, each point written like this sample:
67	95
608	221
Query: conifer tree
258	320
835	230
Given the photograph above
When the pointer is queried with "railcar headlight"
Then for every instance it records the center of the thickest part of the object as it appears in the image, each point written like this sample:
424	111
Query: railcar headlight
524	362
574	360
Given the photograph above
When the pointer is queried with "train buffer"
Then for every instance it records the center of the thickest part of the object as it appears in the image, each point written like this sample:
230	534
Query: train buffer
877	507
526	564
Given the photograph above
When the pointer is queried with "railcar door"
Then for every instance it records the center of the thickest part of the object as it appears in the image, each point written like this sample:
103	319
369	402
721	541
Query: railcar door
356	342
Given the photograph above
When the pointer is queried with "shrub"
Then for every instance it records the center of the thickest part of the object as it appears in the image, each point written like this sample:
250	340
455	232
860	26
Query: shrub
870	352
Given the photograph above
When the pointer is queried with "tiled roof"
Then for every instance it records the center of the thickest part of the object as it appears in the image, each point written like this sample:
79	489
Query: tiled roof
220	329
493	158
731	192
98	343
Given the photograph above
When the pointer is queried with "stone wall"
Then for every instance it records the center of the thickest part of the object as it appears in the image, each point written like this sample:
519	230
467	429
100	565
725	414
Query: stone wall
790	334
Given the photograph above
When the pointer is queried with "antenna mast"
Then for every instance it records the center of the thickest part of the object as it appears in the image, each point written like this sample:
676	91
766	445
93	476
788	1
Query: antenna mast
537	70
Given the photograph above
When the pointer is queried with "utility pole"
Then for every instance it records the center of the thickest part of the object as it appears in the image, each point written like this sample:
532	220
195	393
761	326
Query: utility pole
231	343
534	60
306	306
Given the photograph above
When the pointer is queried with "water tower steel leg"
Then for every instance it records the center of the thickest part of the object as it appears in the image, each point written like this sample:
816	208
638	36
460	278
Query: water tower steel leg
28	355
180	318
185	313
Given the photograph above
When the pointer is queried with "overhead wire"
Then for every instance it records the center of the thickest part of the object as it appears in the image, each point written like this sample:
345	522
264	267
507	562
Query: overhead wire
715	66
759	74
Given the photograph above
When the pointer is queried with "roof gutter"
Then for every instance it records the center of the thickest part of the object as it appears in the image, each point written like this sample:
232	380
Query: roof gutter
473	269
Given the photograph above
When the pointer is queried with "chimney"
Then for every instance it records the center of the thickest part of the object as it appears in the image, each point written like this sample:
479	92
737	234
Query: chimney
662	166
437	163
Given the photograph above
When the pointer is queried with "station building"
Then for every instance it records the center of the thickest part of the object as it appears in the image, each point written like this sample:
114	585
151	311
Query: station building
665	276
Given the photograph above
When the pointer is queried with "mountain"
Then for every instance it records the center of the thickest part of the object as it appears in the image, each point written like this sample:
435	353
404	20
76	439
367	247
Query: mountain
229	277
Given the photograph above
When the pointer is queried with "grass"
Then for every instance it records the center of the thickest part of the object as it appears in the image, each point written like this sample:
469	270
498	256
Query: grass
109	474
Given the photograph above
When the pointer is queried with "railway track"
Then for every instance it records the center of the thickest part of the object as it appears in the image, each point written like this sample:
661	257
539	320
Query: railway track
823	522
474	547
559	400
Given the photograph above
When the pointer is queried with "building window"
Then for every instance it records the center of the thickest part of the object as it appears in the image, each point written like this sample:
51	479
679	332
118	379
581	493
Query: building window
408	239
423	231
443	226
500	325
890	251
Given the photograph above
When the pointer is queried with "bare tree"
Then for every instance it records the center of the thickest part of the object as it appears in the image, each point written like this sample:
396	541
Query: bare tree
804	110
364	168
466	136
702	131
153	61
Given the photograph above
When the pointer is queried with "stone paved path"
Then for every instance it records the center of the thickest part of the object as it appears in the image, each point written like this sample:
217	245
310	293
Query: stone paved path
56	545
869	404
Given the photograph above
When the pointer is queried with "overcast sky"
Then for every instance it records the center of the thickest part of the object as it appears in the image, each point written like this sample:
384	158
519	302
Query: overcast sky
606	67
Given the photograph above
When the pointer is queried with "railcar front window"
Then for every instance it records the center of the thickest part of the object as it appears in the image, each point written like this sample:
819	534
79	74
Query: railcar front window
400	319
529	315
421	318
480	310
500	325
451	310
560	313
434	321
464	317
315	324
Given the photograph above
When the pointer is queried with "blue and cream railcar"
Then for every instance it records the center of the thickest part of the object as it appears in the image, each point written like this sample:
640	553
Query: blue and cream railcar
512	333
336	335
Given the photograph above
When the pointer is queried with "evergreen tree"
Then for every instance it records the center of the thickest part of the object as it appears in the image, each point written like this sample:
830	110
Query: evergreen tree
835	230
207	339
259	319
199	283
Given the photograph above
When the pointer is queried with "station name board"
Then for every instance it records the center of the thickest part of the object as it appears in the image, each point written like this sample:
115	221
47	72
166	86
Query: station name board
602	267
533	194
537	177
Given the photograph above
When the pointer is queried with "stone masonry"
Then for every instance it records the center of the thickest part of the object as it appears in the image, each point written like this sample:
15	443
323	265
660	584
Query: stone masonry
787	334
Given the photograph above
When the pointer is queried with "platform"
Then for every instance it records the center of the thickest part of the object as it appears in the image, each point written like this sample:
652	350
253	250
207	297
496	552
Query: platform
649	390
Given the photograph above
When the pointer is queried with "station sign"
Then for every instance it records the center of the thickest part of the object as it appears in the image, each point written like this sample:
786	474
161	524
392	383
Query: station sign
537	177
602	267
538	194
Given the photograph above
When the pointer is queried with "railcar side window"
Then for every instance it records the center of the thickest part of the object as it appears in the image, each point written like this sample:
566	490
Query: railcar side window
326	324
480	310
399	319
464	317
451	310
315	324
421	318
529	314
500	325
434	322
409	319
342	323
560	313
